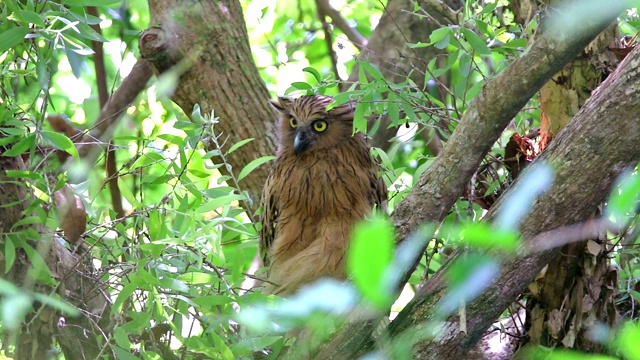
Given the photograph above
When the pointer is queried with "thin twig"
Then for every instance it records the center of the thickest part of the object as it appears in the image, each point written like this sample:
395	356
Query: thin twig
328	38
352	34
103	97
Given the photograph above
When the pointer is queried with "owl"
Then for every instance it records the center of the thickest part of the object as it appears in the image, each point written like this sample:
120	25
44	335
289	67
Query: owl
323	181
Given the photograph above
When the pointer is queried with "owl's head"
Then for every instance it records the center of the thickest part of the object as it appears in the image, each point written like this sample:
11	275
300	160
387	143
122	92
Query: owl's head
306	125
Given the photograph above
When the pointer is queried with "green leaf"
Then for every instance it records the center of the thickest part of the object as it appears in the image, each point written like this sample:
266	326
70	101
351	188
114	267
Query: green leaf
368	258
418	45
126	292
210	301
392	108
199	278
465	64
21	146
359	121
469	276
253	165
8	289
624	203
237	145
12	37
299	85
14	308
440	38
313	72
247	346
91	2
220	201
76	61
32	18
484	235
121	337
439	35
123	354
10	256
564	354
488	8
55	302
479	45
61	142
373	70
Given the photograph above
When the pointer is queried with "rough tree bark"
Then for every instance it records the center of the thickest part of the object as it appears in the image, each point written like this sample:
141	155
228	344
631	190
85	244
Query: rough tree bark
576	289
485	119
587	161
74	274
220	76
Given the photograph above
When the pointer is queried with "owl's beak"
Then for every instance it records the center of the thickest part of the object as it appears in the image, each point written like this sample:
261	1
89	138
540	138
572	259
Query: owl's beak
301	141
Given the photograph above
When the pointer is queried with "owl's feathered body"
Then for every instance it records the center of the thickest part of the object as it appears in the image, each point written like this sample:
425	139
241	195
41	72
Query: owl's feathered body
323	181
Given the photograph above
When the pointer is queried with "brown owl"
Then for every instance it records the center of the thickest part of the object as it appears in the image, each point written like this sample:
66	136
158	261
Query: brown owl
323	181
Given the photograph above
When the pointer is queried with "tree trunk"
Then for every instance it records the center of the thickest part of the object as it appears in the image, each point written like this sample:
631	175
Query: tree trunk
77	335
221	77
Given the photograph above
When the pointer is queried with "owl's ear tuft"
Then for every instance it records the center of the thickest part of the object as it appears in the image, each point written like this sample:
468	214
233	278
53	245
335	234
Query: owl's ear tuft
281	105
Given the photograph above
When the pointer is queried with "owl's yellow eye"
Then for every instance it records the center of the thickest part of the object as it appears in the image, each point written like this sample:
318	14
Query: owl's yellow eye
320	125
293	123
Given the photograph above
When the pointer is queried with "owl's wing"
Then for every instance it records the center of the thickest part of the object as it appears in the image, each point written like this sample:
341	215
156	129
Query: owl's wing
268	219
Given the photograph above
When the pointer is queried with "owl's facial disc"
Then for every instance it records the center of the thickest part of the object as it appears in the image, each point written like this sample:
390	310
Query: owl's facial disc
301	141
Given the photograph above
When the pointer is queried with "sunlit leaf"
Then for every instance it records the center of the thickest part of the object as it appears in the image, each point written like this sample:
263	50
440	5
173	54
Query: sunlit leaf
479	45
625	202
195	278
469	276
21	146
313	72
239	144
253	165
359	121
628	339
483	235
440	35
91	2
61	142
370	253
14	309
532	183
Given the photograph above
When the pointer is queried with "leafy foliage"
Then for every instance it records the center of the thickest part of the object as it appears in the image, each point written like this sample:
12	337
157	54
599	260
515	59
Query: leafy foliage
176	266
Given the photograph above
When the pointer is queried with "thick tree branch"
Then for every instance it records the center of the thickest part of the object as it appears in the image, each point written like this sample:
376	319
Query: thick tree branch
599	144
487	116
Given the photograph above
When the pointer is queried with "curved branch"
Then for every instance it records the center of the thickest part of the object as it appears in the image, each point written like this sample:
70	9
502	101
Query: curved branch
352	34
119	101
486	118
587	156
